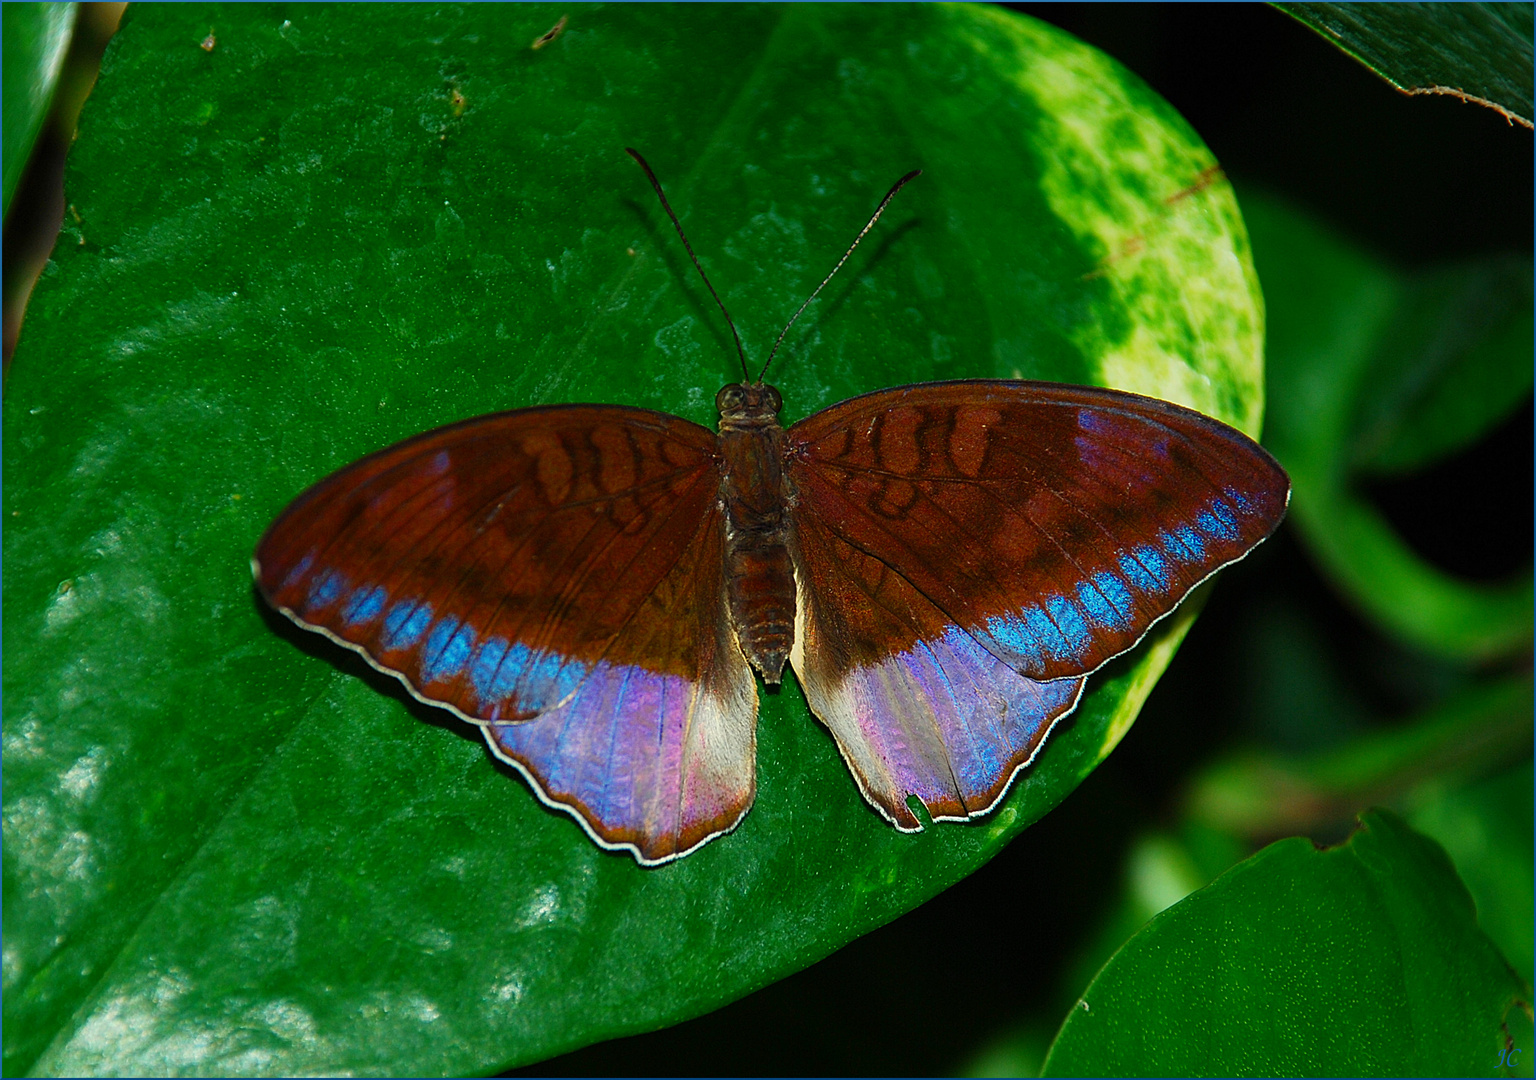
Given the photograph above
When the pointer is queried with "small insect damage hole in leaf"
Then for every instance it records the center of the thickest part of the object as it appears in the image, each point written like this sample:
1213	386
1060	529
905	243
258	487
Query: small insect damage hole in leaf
208	43
1510	1046
1334	835
1521	1004
550	34
456	100
1206	177
1138	242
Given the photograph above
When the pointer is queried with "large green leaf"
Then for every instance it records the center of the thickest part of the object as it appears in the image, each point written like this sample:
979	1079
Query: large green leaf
1476	52
1350	379
1486	829
1364	959
34	38
232	849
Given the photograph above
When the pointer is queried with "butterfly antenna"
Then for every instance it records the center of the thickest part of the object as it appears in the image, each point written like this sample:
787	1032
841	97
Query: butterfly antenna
889	195
689	248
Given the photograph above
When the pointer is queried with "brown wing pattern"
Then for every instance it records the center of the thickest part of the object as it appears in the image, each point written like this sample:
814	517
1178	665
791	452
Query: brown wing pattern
1054	524
491	563
558	564
655	758
938	716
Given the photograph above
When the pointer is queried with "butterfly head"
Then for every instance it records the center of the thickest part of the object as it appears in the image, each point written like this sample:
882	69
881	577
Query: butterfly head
747	403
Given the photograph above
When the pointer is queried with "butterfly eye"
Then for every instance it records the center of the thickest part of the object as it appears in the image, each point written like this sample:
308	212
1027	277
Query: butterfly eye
774	401
728	399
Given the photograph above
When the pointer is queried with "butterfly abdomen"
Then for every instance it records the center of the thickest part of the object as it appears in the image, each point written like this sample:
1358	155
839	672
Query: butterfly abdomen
761	585
755	496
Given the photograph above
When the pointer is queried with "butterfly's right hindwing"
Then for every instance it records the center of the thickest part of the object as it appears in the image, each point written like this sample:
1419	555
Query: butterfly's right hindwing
967	553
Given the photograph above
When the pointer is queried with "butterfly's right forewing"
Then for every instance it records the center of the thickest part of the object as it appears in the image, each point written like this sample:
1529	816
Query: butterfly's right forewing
1053	523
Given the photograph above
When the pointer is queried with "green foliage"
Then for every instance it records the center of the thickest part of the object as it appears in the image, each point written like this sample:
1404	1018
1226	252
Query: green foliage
1356	959
1364	958
35	37
232	850
1486	829
1477	52
1453	363
317	230
1263	795
1376	369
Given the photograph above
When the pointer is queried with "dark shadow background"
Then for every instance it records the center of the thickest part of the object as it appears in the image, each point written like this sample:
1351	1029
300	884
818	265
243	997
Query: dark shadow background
1416	180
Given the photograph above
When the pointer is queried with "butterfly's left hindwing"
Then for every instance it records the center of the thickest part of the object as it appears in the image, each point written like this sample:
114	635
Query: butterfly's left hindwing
560	564
657	758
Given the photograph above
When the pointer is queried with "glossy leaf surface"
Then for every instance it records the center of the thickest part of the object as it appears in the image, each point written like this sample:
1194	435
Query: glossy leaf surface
1365	958
231	850
35	39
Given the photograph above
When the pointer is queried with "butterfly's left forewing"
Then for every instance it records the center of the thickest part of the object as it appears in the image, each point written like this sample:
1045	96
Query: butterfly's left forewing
553	575
970	551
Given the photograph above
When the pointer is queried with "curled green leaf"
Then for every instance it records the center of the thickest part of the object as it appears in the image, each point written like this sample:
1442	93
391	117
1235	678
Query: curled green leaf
1479	53
1365	958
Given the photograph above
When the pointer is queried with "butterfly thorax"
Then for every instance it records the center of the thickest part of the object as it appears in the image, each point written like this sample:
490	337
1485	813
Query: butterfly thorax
756	497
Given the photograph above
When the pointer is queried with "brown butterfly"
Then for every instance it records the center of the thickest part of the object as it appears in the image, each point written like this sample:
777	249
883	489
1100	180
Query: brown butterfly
943	565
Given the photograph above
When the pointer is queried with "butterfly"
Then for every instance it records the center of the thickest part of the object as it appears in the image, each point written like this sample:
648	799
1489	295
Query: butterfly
943	565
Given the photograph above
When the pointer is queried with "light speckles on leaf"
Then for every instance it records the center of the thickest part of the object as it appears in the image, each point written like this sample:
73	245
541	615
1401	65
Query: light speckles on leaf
542	907
63	609
675	337
434	939
80	779
509	989
1138	187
